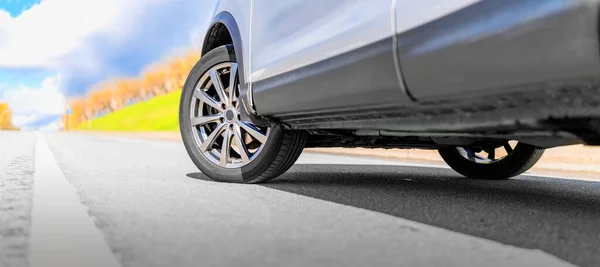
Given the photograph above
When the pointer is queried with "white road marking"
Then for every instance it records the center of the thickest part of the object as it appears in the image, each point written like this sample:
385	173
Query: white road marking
62	233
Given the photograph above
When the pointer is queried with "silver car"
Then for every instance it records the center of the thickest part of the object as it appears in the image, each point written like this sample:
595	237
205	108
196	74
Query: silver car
488	83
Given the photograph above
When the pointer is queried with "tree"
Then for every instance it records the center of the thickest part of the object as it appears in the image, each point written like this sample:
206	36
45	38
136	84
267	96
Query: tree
6	117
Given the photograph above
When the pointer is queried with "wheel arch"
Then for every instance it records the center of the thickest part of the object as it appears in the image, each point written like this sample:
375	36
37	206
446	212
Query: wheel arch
224	30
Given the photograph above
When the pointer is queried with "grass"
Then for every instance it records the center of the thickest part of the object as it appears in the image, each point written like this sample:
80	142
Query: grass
157	114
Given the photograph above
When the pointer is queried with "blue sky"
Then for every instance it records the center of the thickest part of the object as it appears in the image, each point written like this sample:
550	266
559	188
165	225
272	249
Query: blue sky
16	7
53	50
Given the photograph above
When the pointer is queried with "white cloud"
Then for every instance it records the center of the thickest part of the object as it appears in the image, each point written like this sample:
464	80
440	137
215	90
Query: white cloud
53	29
4	17
32	104
42	35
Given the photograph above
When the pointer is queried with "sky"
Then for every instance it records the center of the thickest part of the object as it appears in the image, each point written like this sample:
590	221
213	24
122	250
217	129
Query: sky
53	50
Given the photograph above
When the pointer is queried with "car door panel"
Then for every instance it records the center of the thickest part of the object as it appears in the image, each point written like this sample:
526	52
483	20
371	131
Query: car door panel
294	33
487	47
295	43
411	14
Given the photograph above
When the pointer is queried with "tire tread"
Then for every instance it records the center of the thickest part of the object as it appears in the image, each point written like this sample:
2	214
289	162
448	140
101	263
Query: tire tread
291	147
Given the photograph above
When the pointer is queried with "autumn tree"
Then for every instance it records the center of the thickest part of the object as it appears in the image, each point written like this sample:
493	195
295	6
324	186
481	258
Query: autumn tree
6	117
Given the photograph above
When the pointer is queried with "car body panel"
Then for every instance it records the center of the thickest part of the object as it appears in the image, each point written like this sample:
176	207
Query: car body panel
492	46
361	79
411	14
327	56
291	34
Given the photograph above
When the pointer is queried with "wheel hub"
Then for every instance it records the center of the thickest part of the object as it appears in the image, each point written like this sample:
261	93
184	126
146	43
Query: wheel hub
230	115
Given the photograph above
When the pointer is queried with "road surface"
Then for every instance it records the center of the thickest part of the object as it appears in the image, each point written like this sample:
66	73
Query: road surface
70	199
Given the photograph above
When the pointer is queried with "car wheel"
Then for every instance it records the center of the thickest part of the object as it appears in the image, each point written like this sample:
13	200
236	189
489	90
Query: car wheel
219	142
494	160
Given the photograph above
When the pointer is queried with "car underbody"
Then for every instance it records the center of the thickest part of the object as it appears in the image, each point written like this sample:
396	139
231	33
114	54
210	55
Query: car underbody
550	116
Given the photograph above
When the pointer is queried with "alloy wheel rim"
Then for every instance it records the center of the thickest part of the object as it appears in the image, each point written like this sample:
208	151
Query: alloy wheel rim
488	155
219	133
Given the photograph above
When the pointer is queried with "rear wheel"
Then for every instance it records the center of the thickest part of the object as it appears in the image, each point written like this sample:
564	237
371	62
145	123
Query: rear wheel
219	142
494	160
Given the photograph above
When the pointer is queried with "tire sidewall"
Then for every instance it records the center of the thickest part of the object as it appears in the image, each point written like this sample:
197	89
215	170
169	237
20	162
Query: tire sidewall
247	173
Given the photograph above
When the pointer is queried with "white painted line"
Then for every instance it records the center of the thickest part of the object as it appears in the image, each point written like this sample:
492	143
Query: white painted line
62	233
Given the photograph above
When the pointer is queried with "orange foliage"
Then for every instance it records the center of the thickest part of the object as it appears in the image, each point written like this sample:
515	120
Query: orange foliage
6	117
111	95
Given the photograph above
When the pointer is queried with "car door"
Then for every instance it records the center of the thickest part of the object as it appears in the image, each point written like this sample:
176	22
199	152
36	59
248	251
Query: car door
303	55
422	32
455	49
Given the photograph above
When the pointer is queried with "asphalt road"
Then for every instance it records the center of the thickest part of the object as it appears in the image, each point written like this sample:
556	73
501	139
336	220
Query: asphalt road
82	200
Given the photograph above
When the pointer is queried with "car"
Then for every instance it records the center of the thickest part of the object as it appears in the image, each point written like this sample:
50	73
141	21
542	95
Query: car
490	84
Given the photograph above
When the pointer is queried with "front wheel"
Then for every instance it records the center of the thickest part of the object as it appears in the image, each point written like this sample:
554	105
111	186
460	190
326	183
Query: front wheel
494	160
221	144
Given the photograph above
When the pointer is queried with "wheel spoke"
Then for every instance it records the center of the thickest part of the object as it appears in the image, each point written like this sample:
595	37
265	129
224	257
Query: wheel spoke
243	150
205	119
492	154
218	84
470	155
198	93
253	132
508	148
232	82
211	138
225	148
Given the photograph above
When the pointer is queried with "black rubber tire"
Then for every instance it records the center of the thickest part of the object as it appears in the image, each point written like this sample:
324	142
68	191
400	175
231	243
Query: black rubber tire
519	161
279	153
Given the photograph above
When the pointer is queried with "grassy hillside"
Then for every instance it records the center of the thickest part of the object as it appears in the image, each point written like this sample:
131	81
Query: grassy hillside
157	114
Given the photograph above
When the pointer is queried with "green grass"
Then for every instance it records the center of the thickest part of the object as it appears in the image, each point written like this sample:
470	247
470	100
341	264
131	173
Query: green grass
157	114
